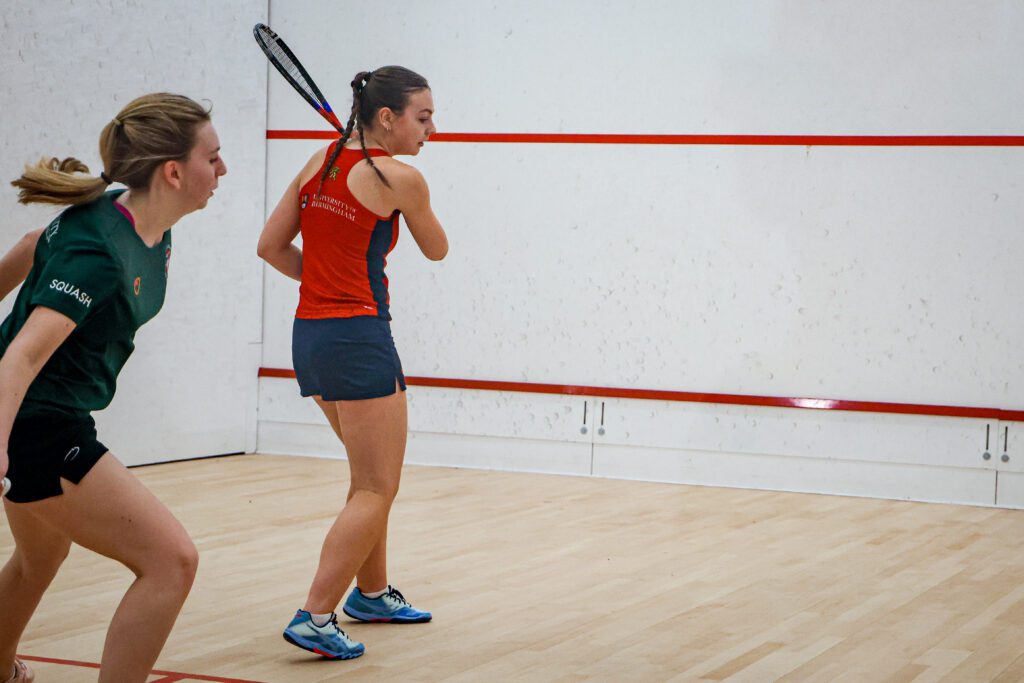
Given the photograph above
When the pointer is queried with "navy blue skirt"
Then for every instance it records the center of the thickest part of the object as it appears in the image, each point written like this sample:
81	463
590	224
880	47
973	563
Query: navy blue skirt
346	359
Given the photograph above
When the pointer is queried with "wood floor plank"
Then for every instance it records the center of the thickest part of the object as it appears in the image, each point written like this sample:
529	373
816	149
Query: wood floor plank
553	578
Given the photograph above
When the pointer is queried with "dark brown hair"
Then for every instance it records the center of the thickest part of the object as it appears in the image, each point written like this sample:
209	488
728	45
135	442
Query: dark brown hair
388	86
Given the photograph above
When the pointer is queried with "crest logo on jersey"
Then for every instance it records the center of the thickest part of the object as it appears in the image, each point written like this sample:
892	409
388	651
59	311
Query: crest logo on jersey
305	201
167	261
333	174
137	286
52	229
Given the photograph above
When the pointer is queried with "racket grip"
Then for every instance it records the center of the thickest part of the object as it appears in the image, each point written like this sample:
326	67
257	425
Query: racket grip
6	485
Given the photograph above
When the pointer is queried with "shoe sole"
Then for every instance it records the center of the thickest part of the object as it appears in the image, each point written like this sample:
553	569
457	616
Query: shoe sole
363	616
306	645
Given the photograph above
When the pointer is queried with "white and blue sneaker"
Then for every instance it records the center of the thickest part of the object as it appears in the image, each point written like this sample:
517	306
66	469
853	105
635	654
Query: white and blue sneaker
327	641
392	608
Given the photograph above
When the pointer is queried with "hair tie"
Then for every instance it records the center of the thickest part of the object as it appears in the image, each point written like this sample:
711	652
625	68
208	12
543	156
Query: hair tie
359	82
116	121
105	178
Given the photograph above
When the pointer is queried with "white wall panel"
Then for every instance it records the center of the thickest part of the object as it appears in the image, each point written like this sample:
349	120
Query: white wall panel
1005	446
503	431
484	452
866	285
824	434
839	273
68	68
550	417
837	477
908	457
438	450
455	411
1010	490
856	273
289	438
851	273
674	66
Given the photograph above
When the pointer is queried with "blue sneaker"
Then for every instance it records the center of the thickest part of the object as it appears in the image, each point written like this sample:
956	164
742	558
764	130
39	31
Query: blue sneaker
392	607
328	641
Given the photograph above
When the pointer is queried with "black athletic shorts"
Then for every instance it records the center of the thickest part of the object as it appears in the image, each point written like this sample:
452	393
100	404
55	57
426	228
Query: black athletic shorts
43	449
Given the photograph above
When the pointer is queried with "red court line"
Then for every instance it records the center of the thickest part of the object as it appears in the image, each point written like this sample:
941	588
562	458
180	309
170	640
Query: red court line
701	397
744	140
169	676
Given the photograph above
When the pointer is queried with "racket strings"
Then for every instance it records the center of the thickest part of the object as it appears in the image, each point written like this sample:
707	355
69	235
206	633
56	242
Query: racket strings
289	66
294	72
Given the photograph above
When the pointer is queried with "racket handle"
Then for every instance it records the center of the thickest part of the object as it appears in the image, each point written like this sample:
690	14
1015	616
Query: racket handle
6	486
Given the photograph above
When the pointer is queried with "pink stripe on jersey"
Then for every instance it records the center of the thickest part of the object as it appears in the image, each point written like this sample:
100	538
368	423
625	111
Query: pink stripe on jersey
126	212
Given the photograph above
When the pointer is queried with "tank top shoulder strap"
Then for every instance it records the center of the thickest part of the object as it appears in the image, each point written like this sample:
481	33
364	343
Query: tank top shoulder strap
353	155
350	156
343	165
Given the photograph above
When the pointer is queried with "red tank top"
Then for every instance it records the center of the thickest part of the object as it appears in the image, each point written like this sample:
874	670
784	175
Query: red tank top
344	246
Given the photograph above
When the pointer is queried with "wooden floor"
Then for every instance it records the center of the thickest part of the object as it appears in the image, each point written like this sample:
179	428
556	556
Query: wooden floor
548	578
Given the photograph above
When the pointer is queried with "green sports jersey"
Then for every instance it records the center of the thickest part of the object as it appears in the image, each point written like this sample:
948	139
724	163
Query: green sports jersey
93	267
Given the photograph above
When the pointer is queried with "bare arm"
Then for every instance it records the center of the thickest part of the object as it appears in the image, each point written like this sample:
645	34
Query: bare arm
413	199
275	245
43	332
16	263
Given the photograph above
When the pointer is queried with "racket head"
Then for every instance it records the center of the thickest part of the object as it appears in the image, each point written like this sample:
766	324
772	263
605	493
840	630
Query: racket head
6	486
289	66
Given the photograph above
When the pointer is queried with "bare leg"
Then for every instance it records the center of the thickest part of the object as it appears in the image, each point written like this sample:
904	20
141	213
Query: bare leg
375	434
113	514
38	553
331	413
373	575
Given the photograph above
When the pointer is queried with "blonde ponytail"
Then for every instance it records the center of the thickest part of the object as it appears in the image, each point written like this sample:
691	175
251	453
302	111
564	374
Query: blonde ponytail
52	181
149	131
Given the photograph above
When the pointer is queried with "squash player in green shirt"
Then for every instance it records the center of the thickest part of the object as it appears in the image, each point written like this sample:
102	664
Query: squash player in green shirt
97	273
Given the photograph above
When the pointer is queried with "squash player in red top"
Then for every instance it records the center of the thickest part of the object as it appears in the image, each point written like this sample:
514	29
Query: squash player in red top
346	202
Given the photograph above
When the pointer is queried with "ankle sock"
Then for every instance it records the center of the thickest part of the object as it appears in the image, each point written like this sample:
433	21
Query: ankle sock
321	620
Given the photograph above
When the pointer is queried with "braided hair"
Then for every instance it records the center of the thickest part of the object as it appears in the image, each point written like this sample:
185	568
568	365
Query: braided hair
388	86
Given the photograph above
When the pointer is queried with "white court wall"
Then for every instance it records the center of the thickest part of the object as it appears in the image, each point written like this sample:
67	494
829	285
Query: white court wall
190	388
853	273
